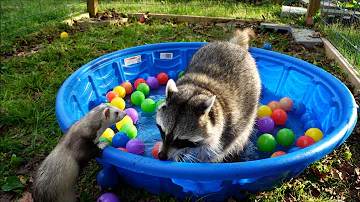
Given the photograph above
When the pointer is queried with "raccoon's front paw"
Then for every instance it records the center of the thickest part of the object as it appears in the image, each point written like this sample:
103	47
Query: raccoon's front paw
102	145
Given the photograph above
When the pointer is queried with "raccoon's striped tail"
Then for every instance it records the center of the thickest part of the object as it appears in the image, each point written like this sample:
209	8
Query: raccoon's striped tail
243	37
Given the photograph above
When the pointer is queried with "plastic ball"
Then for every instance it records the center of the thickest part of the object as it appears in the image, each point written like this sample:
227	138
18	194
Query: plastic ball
108	197
144	76
135	146
109	104
118	102
129	129
293	149
139	81
122	149
104	139
120	90
128	87
120	139
286	103
315	133
107	177
274	105
108	133
277	153
172	75
125	120
304	141
298	109
159	102
267	46
266	143
148	105
64	35
162	78
180	74
111	95
279	116
137	97
144	88
265	124
133	114
155	150
312	124
100	100
307	117
152	82
264	110
285	137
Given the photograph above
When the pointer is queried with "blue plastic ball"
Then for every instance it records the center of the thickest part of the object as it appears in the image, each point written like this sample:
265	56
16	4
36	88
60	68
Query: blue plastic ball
173	75
312	124
113	127
107	177
120	139
298	109
144	76
307	117
267	46
99	100
293	149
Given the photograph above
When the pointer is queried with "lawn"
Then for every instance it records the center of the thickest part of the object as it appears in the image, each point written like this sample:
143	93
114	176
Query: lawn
33	69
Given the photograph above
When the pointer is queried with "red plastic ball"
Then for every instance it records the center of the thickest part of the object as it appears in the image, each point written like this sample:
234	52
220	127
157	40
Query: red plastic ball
128	87
155	150
277	153
122	149
139	81
304	141
279	116
111	95
162	78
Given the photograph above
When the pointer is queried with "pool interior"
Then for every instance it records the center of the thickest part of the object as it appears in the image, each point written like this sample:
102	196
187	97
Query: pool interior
149	133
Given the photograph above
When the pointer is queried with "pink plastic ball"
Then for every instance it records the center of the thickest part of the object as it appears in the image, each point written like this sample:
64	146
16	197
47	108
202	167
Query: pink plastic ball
286	103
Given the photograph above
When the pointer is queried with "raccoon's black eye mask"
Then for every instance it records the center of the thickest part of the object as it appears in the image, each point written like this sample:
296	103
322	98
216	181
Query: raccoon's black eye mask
161	132
178	143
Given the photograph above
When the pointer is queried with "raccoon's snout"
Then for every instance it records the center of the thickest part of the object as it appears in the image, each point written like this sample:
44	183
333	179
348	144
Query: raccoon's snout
162	156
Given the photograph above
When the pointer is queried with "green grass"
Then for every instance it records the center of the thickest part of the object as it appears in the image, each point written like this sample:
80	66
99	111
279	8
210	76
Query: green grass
29	129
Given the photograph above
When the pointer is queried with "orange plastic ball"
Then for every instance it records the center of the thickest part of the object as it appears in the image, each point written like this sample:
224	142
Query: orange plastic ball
286	103
274	105
128	87
277	153
111	95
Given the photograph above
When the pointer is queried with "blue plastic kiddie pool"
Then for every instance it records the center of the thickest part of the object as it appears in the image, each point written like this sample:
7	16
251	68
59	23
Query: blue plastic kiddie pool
282	75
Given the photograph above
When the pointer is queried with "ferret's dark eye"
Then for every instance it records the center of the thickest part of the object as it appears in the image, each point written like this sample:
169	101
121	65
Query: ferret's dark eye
161	131
183	143
117	113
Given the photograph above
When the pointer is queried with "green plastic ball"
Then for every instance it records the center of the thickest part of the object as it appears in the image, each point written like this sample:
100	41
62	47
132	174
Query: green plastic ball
129	129
285	137
266	142
109	104
148	105
137	97
144	88
180	74
159	102
104	139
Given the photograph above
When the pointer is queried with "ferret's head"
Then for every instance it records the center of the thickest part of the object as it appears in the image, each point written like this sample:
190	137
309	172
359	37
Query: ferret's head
110	115
186	121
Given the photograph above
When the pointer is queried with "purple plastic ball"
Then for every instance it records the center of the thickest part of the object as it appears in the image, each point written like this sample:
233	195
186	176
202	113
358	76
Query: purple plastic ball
152	82
132	113
108	197
265	124
135	146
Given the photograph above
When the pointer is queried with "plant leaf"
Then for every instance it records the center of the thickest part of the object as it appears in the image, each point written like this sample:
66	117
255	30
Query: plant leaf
12	183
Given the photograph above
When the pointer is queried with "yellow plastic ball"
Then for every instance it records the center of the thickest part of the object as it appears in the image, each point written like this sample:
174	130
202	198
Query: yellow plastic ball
315	133
108	134
118	102
120	90
264	110
125	120
64	35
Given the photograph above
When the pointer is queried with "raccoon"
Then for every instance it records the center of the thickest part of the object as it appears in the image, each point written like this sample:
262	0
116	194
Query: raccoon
56	177
209	113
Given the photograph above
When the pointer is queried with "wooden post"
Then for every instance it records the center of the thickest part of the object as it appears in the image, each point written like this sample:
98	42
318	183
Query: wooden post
92	7
312	8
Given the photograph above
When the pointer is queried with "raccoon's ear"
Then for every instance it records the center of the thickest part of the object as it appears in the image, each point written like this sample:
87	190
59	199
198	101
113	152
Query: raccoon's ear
206	106
106	113
171	88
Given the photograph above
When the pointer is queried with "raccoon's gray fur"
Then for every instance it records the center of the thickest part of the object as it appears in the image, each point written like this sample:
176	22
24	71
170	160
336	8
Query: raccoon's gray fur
209	113
57	175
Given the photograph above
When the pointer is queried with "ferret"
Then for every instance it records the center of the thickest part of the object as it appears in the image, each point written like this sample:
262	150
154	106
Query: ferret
210	111
56	177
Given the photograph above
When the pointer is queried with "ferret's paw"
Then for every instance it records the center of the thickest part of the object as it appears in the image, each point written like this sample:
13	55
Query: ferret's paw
103	145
